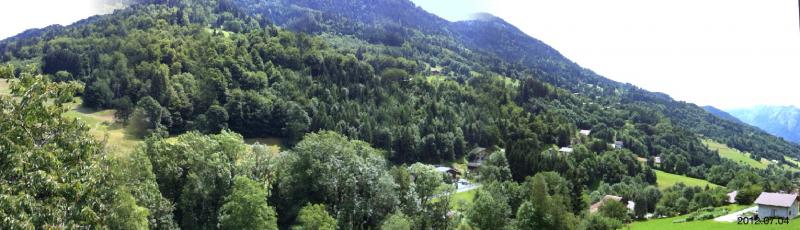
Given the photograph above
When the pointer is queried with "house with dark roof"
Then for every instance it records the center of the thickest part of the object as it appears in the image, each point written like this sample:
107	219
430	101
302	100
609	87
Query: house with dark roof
777	205
453	173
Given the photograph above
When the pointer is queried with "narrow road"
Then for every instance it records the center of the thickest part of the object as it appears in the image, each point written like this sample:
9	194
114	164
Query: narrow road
733	216
460	188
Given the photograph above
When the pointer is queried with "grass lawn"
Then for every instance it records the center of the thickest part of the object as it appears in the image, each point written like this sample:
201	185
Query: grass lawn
666	224
101	125
734	154
665	180
273	144
459	200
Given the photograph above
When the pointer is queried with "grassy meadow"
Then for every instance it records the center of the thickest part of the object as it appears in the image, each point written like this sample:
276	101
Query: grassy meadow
665	180
102	125
735	155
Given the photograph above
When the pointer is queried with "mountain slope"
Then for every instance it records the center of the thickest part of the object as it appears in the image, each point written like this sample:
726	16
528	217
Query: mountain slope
722	114
198	59
782	121
490	44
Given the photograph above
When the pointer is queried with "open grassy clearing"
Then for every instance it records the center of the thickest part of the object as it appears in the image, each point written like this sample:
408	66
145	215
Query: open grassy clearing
666	224
4	87
275	145
102	125
735	155
666	180
461	200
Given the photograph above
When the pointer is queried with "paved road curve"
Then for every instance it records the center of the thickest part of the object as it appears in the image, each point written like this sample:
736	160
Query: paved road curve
733	216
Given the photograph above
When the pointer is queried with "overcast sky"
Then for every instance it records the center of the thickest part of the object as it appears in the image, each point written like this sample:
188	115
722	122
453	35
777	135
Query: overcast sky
726	53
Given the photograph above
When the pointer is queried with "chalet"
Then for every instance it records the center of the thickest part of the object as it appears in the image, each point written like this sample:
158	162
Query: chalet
619	144
596	206
566	150
478	154
585	132
657	160
453	173
777	205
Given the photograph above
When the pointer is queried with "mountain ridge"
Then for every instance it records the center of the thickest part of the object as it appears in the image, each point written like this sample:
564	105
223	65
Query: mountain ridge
464	48
782	121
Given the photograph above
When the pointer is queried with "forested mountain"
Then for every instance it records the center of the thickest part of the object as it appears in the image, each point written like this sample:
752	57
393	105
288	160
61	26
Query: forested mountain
722	114
357	90
488	43
782	121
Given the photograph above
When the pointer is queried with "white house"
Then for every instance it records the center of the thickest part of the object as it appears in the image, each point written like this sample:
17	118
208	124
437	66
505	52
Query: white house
585	132
566	150
777	205
596	206
732	197
619	144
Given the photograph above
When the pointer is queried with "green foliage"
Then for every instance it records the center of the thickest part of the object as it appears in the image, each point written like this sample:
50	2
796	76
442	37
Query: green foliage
246	207
748	194
598	222
196	172
615	210
50	165
489	211
126	214
495	168
396	221
349	176
314	217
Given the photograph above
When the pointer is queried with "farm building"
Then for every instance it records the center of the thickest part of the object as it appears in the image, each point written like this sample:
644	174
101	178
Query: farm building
453	173
777	205
596	206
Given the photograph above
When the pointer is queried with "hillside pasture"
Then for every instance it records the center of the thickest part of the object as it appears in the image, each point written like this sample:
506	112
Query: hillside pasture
735	155
102	126
666	180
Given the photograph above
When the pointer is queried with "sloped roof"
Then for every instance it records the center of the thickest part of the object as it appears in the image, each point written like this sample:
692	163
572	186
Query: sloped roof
776	199
596	206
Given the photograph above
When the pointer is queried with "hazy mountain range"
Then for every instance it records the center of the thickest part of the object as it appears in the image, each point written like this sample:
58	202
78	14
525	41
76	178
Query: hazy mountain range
782	121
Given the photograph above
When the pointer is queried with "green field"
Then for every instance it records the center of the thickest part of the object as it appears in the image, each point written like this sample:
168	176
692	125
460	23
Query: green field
735	155
665	180
666	224
102	125
462	199
273	144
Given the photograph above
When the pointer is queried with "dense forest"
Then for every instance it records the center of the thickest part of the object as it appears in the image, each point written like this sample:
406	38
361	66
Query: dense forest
365	97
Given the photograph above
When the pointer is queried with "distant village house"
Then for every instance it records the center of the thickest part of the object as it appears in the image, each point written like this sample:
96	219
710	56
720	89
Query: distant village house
566	150
777	205
597	205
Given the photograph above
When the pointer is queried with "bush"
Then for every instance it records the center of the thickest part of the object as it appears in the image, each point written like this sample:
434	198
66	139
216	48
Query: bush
704	216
